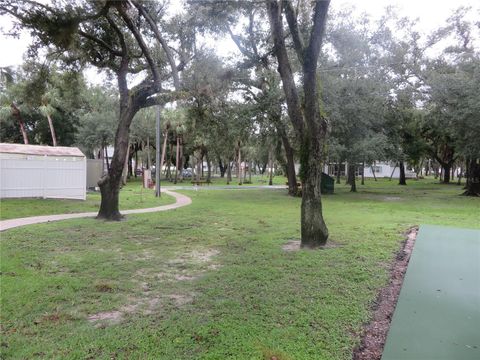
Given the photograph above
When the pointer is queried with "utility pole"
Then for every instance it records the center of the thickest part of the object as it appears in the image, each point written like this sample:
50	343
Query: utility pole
158	167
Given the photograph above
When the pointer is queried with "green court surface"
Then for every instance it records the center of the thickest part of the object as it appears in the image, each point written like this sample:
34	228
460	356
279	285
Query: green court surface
438	311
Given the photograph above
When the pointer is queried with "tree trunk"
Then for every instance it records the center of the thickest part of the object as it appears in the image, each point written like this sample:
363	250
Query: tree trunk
338	171
199	164
250	172
270	157
373	172
347	173
106	158
363	173
446	172
209	168
136	162
110	183
473	178
181	159
229	172
21	123
149	160
52	130
351	178
393	172
239	165
402	180
310	126
177	159
313	228
223	168
125	167
291	176
164	150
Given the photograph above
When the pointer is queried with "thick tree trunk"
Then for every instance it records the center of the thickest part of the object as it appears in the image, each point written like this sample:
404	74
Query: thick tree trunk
309	125
110	183
351	178
473	178
402	179
313	228
52	130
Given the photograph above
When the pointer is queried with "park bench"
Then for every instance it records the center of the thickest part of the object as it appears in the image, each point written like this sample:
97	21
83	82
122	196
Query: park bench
200	182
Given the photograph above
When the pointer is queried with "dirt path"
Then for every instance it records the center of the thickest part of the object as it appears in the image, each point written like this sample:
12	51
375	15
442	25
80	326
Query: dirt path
181	200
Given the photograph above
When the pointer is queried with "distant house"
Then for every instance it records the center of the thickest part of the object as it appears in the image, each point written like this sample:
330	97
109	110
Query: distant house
386	169
381	170
42	171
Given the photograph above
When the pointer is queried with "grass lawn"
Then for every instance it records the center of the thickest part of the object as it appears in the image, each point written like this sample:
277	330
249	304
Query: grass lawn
210	280
132	196
217	180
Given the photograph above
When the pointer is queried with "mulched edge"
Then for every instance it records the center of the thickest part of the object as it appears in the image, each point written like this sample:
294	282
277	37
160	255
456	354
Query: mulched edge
375	332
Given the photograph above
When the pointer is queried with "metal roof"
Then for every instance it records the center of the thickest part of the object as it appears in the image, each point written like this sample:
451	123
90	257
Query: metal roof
40	150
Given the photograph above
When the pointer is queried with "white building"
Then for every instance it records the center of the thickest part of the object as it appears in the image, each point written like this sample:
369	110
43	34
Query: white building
42	171
386	169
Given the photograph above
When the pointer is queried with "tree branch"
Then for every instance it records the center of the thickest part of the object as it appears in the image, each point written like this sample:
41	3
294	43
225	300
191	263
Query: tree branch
138	37
100	42
161	40
293	26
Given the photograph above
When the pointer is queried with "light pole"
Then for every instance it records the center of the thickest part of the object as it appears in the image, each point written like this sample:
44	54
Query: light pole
158	167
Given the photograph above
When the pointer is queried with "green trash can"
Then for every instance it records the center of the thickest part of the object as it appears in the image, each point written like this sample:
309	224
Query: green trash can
327	184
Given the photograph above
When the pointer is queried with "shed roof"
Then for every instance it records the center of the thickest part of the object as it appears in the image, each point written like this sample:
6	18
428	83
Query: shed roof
40	150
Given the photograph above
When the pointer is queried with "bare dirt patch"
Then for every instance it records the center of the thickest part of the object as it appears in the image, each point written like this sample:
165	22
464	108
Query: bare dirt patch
112	317
392	198
186	267
375	333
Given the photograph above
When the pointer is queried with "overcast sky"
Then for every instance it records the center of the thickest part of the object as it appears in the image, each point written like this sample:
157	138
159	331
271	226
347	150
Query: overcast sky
431	14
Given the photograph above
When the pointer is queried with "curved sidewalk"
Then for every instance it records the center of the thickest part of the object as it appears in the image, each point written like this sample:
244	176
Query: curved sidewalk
181	200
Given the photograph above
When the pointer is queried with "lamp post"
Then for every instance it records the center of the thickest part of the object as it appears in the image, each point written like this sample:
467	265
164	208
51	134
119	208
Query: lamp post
158	167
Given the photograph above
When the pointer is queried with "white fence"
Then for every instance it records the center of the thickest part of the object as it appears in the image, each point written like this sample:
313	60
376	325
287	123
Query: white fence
42	176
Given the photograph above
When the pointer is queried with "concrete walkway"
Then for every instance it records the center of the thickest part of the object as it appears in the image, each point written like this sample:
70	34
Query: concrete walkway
226	187
181	200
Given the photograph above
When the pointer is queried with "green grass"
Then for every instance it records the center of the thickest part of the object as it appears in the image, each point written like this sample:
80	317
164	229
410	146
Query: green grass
217	180
210	281
132	196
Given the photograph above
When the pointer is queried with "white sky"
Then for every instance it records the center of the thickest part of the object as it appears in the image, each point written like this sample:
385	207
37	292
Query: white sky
431	14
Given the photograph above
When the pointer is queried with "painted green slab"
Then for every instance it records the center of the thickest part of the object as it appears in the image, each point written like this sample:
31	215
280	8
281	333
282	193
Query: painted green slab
438	311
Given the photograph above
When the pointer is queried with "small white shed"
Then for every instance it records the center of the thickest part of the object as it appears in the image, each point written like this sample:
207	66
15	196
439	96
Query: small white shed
42	171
